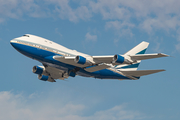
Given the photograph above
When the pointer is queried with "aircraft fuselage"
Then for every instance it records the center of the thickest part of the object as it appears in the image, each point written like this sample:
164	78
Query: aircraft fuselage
43	51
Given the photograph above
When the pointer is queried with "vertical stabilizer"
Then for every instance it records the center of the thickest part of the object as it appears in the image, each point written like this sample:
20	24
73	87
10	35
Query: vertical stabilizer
139	49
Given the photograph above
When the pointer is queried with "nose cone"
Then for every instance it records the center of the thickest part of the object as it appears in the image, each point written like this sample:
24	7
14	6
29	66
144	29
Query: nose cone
18	46
13	42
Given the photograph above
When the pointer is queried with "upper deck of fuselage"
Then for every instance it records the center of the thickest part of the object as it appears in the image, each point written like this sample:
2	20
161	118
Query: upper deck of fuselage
46	44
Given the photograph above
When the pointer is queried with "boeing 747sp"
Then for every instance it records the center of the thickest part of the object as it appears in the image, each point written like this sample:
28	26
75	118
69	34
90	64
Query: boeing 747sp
59	62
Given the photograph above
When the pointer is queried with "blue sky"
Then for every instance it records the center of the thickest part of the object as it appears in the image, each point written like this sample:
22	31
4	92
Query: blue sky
95	27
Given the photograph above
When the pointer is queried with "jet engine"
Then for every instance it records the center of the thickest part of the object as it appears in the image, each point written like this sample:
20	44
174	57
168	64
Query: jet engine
45	78
120	59
49	73
81	60
38	70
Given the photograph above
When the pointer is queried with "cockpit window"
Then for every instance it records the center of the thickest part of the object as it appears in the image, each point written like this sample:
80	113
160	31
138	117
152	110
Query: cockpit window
26	35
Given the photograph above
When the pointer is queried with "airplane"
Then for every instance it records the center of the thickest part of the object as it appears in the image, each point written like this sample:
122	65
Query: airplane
59	62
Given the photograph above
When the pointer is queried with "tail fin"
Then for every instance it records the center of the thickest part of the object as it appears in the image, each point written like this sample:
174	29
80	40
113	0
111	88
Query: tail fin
139	49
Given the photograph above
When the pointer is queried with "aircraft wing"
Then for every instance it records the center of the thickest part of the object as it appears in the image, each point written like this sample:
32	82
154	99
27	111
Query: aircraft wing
103	59
91	67
95	63
96	60
69	60
147	56
131	58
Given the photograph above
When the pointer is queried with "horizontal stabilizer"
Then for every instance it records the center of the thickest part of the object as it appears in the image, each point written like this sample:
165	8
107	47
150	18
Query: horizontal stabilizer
147	56
139	73
97	67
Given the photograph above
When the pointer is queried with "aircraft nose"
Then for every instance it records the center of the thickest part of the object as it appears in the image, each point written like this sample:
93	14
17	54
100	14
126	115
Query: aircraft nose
14	43
11	42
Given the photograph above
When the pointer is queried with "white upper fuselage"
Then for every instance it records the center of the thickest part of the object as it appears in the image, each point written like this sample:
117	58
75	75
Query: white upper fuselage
43	43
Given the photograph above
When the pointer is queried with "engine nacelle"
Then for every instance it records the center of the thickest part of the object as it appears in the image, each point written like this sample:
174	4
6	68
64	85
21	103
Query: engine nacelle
46	78
80	60
38	70
118	59
43	77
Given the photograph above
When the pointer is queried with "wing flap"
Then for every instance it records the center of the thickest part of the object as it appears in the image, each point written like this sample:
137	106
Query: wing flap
139	73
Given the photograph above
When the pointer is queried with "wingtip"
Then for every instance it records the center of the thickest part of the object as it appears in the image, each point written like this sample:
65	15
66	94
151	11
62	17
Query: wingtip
164	55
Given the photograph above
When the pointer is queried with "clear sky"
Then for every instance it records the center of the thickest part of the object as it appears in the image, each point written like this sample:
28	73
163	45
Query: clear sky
94	27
